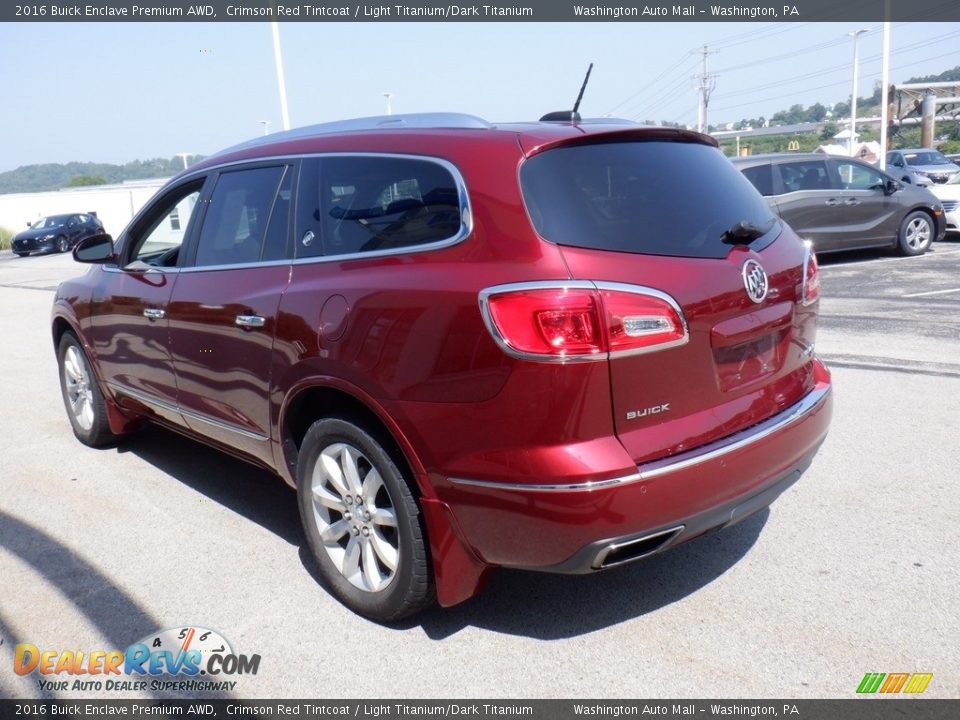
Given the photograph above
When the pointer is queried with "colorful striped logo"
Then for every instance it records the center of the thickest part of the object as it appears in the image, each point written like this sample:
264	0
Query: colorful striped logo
914	683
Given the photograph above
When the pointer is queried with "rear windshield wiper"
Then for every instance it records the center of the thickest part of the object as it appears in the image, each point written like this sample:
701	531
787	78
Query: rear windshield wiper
745	232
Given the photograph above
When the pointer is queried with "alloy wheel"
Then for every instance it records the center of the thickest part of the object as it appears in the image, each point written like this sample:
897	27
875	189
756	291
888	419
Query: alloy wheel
76	381
918	233
355	517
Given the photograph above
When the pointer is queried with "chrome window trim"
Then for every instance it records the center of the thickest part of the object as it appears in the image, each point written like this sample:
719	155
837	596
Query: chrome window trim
170	407
114	268
697	456
484	301
463	197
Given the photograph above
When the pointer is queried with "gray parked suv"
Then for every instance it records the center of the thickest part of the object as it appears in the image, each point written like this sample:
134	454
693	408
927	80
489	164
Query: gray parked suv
921	166
840	203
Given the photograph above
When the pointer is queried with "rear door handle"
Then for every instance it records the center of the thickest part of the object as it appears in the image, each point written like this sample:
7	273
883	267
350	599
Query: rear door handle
153	313
851	201
250	321
832	202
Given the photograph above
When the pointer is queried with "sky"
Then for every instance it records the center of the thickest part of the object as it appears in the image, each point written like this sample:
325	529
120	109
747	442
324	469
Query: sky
115	92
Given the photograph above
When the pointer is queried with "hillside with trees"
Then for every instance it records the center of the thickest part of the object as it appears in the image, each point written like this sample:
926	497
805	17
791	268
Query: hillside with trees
53	176
869	106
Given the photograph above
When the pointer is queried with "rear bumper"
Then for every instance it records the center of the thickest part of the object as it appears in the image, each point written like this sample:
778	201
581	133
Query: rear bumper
584	526
611	552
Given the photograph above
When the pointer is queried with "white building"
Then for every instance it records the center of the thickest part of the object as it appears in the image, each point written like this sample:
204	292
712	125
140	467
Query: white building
115	205
867	151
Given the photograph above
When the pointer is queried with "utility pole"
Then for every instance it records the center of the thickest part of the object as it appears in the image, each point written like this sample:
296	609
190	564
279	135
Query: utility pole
885	87
184	156
706	83
852	149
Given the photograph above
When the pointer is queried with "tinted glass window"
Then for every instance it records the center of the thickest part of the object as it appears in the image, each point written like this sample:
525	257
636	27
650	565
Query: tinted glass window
236	218
928	157
657	197
804	175
158	243
761	177
854	176
275	243
367	204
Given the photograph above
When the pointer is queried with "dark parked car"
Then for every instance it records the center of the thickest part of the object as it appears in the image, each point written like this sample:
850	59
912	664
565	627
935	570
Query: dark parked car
560	346
921	166
839	203
56	233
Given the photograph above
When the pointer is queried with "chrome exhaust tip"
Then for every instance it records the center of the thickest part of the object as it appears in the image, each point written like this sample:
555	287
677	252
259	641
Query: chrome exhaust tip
627	551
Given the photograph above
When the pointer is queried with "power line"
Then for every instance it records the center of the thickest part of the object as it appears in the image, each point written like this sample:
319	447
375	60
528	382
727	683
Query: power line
837	68
841	82
685	58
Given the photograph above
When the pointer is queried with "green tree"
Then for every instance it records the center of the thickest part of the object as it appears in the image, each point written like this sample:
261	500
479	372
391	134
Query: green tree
85	180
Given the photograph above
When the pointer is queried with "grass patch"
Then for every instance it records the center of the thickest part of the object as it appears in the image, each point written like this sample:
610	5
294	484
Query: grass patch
5	237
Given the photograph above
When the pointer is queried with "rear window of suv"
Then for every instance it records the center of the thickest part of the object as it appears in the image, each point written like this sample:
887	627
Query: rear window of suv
351	205
651	197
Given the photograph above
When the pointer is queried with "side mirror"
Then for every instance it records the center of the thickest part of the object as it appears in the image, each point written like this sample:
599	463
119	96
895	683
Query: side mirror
96	249
29	224
890	187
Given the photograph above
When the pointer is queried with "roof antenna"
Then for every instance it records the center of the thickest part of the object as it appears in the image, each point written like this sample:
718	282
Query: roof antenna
570	115
576	105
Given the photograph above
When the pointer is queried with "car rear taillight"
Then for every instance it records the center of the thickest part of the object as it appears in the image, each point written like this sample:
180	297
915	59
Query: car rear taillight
811	275
580	320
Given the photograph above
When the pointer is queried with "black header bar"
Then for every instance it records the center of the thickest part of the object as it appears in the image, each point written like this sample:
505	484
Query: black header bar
484	11
875	708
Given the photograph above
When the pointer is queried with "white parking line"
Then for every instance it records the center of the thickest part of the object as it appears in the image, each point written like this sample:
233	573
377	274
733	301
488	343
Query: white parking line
873	261
932	292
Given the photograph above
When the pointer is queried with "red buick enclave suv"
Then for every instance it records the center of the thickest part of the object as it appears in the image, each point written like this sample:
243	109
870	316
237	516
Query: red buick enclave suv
560	346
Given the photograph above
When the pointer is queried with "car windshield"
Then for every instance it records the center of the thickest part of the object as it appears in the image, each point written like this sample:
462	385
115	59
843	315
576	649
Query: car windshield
49	222
657	197
926	158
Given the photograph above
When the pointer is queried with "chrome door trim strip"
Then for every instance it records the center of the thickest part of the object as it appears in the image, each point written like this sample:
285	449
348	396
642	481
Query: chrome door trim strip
188	414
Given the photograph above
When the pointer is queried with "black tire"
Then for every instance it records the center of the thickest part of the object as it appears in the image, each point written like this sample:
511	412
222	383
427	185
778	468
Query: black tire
916	233
62	245
82	398
336	531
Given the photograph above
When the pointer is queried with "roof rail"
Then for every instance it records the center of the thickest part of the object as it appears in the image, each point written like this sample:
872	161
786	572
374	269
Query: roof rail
606	121
379	122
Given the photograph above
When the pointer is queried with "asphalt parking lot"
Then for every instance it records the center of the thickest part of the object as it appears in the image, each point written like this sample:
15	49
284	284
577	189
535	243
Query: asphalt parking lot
855	569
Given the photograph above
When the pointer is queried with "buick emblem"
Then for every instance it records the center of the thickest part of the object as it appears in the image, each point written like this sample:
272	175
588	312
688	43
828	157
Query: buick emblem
755	281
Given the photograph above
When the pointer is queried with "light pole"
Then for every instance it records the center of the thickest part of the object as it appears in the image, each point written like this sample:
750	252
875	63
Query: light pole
266	125
281	84
389	97
184	156
885	89
853	97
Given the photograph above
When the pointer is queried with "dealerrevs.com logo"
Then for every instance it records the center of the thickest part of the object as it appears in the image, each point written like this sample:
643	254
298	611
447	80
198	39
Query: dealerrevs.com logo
189	659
